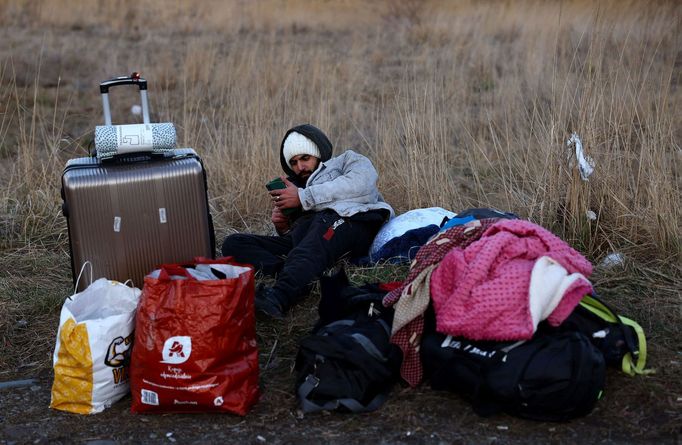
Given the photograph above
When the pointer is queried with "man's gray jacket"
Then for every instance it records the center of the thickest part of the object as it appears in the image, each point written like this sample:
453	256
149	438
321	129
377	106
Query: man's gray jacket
346	184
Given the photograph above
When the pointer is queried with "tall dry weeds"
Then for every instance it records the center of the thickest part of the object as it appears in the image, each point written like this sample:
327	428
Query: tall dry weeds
470	106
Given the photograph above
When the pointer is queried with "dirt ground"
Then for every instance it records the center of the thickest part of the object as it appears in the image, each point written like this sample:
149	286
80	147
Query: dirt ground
633	410
410	417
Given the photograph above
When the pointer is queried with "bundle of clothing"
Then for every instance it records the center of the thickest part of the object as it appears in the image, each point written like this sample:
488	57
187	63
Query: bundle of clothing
487	279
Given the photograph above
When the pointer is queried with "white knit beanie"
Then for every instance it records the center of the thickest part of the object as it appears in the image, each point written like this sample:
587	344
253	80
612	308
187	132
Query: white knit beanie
296	144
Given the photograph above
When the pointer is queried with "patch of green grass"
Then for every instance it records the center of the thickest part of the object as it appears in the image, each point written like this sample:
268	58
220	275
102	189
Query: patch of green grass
381	273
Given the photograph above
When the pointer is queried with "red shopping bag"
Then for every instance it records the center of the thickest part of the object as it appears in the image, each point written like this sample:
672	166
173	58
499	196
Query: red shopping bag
195	340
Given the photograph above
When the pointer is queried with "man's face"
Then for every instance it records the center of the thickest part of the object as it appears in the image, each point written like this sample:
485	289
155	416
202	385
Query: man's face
304	165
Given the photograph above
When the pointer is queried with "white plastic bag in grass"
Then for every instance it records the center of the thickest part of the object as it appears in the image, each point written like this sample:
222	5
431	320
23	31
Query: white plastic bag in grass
93	347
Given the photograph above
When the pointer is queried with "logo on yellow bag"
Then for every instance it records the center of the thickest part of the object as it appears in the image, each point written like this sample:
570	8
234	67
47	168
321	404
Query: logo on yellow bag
177	350
118	357
118	353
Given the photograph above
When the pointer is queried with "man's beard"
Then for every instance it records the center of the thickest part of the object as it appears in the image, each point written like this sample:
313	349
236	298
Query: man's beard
303	176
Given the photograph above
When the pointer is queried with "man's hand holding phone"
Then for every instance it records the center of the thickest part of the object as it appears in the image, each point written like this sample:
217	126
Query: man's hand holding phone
284	195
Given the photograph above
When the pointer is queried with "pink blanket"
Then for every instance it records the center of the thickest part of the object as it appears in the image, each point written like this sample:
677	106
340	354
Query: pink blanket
483	292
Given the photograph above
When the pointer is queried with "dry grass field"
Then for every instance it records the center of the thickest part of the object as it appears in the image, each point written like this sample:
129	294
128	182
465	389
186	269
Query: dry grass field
458	103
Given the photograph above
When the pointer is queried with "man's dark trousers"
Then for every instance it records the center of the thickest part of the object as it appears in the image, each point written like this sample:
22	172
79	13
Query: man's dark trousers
316	241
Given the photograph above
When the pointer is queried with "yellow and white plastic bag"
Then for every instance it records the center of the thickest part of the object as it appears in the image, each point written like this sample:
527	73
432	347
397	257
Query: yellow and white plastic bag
93	347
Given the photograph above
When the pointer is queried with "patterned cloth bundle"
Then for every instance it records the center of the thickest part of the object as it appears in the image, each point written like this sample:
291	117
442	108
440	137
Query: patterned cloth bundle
111	140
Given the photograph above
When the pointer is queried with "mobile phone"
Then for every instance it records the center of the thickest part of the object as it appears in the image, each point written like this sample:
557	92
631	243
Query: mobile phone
276	184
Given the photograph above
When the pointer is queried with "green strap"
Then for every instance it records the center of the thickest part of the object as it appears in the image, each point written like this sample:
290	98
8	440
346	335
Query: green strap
630	366
598	308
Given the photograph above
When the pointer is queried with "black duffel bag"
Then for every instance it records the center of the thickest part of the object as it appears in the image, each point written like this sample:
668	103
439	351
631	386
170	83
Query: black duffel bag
555	376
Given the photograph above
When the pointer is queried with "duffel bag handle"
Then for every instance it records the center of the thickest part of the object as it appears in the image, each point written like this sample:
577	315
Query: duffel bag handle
133	79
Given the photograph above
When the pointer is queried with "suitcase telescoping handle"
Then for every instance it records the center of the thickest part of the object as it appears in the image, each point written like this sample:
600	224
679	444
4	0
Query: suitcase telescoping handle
133	79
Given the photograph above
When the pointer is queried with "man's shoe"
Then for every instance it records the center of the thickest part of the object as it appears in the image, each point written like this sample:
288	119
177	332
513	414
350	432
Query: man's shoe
268	302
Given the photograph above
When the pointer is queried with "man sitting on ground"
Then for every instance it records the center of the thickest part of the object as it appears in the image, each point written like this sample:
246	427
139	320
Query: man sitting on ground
330	207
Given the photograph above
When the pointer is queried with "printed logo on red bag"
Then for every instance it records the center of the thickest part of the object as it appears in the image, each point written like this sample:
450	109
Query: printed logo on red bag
177	350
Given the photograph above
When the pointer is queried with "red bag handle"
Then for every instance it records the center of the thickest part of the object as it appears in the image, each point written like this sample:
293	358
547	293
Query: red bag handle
180	269
173	269
222	260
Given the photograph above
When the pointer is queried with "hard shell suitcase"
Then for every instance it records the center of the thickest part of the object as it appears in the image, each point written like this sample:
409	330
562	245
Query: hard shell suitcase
132	213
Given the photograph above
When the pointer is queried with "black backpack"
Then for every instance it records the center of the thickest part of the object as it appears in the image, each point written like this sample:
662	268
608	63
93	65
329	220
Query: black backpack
620	339
555	376
347	363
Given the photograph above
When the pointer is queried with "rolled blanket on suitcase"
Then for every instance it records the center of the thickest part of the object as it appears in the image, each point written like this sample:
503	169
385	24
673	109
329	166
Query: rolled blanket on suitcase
111	140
